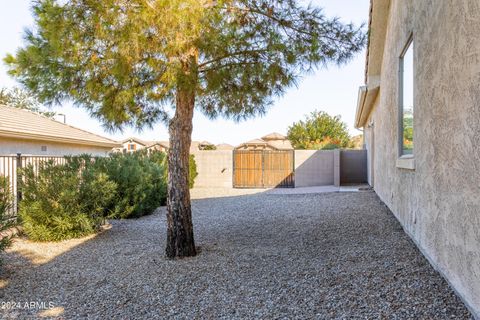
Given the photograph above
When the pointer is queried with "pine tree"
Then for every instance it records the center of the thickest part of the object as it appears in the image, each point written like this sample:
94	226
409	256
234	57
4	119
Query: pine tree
129	61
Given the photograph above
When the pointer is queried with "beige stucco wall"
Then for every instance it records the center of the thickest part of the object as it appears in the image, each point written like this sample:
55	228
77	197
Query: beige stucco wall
353	167
10	146
214	167
314	168
439	202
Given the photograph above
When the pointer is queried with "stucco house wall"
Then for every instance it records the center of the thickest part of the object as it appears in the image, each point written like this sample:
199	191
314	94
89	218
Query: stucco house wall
11	146
438	203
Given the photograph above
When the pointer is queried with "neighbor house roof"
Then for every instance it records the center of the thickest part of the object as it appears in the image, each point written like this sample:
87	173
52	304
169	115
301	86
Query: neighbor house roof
134	139
255	142
274	136
195	145
224	146
280	144
368	93
164	144
24	124
274	140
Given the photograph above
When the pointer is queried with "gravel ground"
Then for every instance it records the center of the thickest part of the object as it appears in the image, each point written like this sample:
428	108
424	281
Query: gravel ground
330	255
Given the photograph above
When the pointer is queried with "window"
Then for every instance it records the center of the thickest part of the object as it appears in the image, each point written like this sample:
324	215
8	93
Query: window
44	148
406	107
132	147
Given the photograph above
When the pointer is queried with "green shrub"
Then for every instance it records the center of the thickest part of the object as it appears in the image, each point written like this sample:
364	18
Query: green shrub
64	201
73	199
193	171
5	212
141	182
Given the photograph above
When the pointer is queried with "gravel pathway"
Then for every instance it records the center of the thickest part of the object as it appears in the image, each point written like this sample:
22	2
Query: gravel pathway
330	255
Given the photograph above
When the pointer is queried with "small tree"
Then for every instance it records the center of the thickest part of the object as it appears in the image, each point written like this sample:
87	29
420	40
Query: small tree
319	131
127	61
21	99
356	142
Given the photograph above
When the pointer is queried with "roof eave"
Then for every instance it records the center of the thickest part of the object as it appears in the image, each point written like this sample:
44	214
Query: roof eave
366	101
377	29
39	137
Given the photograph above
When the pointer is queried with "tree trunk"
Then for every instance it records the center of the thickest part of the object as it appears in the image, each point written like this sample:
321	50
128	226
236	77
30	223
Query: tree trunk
180	242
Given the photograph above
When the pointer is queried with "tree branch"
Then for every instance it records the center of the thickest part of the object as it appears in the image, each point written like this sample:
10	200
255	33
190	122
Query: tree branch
231	55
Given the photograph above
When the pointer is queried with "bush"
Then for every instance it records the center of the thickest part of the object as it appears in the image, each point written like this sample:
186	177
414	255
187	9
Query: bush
5	212
192	171
73	199
141	181
141	178
64	201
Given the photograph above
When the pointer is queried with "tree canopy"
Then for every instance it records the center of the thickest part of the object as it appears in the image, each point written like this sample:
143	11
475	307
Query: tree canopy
319	130
122	60
21	99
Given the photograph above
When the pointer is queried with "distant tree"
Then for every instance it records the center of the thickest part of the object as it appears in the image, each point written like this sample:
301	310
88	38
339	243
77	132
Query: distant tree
208	147
127	61
356	142
408	131
21	99
319	131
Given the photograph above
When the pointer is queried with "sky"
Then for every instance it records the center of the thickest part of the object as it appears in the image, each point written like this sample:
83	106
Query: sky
333	89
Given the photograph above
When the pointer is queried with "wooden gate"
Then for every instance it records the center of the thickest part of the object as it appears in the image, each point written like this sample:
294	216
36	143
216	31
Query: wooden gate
263	169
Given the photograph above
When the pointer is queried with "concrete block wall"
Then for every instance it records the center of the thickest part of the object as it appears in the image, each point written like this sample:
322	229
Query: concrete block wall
353	166
336	167
314	168
215	168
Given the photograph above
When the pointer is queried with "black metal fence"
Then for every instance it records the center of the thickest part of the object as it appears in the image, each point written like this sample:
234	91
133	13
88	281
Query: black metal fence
10	166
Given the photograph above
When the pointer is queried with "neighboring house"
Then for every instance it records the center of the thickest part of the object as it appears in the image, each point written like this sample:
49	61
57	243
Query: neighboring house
272	141
134	144
29	133
224	146
420	111
159	146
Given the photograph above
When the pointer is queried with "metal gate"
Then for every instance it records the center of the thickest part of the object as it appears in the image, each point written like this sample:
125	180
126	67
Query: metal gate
263	169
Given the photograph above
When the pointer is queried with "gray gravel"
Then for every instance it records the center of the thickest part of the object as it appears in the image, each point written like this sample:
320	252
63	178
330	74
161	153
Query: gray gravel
330	255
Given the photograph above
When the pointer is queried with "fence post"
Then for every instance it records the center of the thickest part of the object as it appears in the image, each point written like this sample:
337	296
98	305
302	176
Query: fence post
19	179
337	153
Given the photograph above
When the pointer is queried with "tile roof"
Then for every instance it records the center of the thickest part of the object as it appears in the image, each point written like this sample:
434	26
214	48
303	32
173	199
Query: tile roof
274	136
224	146
142	142
24	124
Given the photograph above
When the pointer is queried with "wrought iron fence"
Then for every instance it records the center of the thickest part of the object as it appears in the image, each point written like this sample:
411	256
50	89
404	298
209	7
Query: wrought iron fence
10	166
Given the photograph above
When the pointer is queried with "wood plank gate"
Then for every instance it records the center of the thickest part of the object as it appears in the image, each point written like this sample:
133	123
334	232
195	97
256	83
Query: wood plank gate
263	169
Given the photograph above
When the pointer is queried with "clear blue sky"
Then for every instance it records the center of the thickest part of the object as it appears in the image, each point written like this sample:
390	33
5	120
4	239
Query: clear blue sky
333	90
